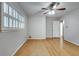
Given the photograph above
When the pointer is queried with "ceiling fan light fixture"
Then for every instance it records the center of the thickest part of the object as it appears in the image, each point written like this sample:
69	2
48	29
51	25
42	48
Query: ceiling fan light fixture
51	12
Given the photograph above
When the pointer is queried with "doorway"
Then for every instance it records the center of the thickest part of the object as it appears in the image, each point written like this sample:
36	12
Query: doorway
58	31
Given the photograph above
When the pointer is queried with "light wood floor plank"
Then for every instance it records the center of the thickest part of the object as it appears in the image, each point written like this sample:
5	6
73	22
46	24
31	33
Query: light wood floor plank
48	47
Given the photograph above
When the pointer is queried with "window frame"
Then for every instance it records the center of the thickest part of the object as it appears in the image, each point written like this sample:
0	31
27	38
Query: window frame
11	17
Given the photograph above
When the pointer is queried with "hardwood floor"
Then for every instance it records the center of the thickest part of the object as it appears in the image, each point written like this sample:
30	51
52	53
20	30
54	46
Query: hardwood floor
49	47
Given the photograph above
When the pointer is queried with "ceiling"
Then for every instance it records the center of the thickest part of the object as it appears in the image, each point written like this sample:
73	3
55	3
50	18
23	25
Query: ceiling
32	8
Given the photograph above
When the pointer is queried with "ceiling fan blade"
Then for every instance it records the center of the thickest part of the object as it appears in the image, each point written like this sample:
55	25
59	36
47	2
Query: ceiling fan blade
45	12
38	12
52	4
44	8
61	9
58	3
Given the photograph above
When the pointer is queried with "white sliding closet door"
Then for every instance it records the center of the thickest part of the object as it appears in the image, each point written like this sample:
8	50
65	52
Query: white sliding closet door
56	29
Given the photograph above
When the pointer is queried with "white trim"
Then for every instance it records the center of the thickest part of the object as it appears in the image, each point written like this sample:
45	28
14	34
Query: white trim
50	36
72	42
19	47
36	38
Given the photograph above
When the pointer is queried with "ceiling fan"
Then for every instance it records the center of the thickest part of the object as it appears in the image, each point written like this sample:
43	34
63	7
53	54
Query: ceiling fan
52	6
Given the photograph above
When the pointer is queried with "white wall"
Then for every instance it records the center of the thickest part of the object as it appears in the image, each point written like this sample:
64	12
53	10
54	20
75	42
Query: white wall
37	26
71	27
52	27
49	27
10	41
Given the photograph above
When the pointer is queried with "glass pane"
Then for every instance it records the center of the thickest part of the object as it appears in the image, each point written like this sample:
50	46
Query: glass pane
19	25
22	19
5	8
14	13
10	22
19	18
5	21
14	23
22	25
10	11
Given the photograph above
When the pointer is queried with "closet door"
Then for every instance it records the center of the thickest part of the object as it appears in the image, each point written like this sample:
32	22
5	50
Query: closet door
56	29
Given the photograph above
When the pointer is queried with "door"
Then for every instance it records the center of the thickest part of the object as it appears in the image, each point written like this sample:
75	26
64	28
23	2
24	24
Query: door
56	29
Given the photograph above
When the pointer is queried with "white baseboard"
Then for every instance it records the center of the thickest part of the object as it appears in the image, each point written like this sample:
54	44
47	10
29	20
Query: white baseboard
72	42
37	38
18	48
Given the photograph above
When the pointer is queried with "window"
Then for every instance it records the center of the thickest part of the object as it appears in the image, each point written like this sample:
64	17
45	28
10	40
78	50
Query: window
10	22
22	19
10	11
5	21
22	25
5	8
19	25
14	23
12	19
14	13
